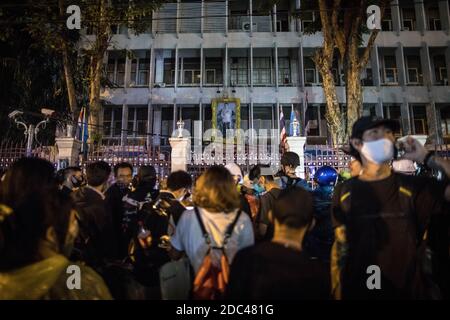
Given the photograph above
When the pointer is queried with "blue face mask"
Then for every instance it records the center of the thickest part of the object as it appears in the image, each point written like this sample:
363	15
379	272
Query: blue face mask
258	188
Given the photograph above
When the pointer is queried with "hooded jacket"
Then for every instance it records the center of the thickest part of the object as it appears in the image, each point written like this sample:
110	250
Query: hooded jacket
47	280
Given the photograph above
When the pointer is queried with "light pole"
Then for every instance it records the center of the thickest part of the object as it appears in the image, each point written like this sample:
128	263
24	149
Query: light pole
30	130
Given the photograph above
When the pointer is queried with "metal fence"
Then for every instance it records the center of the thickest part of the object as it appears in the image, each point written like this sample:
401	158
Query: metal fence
11	151
316	156
137	155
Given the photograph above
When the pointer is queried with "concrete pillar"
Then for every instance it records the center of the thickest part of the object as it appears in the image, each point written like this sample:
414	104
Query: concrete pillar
226	80
202	13
68	151
202	69
400	63
123	134
127	71
379	108
226	18
447	62
200	115
420	16
425	61
250	4
151	82
154	23
274	20
444	15
375	62
406	118
180	153
251	114
297	145
176	69
251	66
301	79
157	120
149	123
276	65
177	21
396	21
175	115
434	131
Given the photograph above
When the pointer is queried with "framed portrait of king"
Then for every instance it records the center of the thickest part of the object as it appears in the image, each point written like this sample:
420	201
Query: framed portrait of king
226	114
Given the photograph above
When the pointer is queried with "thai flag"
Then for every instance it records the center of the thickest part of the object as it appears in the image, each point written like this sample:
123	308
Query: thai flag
283	131
82	128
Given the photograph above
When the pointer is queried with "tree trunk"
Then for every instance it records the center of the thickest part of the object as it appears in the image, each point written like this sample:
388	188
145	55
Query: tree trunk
95	73
68	72
353	91
333	111
95	105
68	75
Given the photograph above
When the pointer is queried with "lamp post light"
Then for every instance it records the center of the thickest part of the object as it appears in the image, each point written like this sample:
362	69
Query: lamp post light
30	130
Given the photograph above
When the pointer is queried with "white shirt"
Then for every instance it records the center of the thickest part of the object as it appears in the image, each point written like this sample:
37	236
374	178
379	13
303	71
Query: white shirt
226	115
188	235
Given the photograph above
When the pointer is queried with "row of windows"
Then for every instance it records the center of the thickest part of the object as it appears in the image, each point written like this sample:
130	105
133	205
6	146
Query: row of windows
264	70
239	19
264	117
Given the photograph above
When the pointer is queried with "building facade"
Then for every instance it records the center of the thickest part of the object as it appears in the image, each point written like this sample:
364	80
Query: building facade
198	51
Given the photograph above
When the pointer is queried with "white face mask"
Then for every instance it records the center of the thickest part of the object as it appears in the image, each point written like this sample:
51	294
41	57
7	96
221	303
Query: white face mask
378	151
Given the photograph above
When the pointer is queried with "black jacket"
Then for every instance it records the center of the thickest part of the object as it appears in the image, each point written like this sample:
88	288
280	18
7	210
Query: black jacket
94	240
115	209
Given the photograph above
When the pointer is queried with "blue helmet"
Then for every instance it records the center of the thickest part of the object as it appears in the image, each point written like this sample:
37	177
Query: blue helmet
326	176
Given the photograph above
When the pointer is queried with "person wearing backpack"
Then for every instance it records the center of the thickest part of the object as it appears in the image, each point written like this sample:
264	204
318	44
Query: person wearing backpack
289	163
381	218
212	233
281	269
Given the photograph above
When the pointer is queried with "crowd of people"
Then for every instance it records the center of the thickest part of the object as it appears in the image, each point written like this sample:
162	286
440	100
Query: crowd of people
260	235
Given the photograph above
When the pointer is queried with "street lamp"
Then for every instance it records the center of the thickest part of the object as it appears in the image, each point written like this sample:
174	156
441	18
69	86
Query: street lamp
31	130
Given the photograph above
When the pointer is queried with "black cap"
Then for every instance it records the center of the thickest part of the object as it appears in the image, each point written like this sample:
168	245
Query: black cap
368	122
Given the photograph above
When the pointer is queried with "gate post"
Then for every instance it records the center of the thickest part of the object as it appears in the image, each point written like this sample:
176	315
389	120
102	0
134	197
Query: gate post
180	153
68	151
297	145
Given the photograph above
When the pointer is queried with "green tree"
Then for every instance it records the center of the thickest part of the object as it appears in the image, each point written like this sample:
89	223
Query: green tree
136	15
82	57
342	24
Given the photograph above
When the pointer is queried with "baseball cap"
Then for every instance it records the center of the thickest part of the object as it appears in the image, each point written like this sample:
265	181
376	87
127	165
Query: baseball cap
368	122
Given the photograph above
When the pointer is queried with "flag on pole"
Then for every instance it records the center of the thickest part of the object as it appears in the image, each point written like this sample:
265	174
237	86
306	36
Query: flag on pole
306	126
82	128
291	121
283	132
